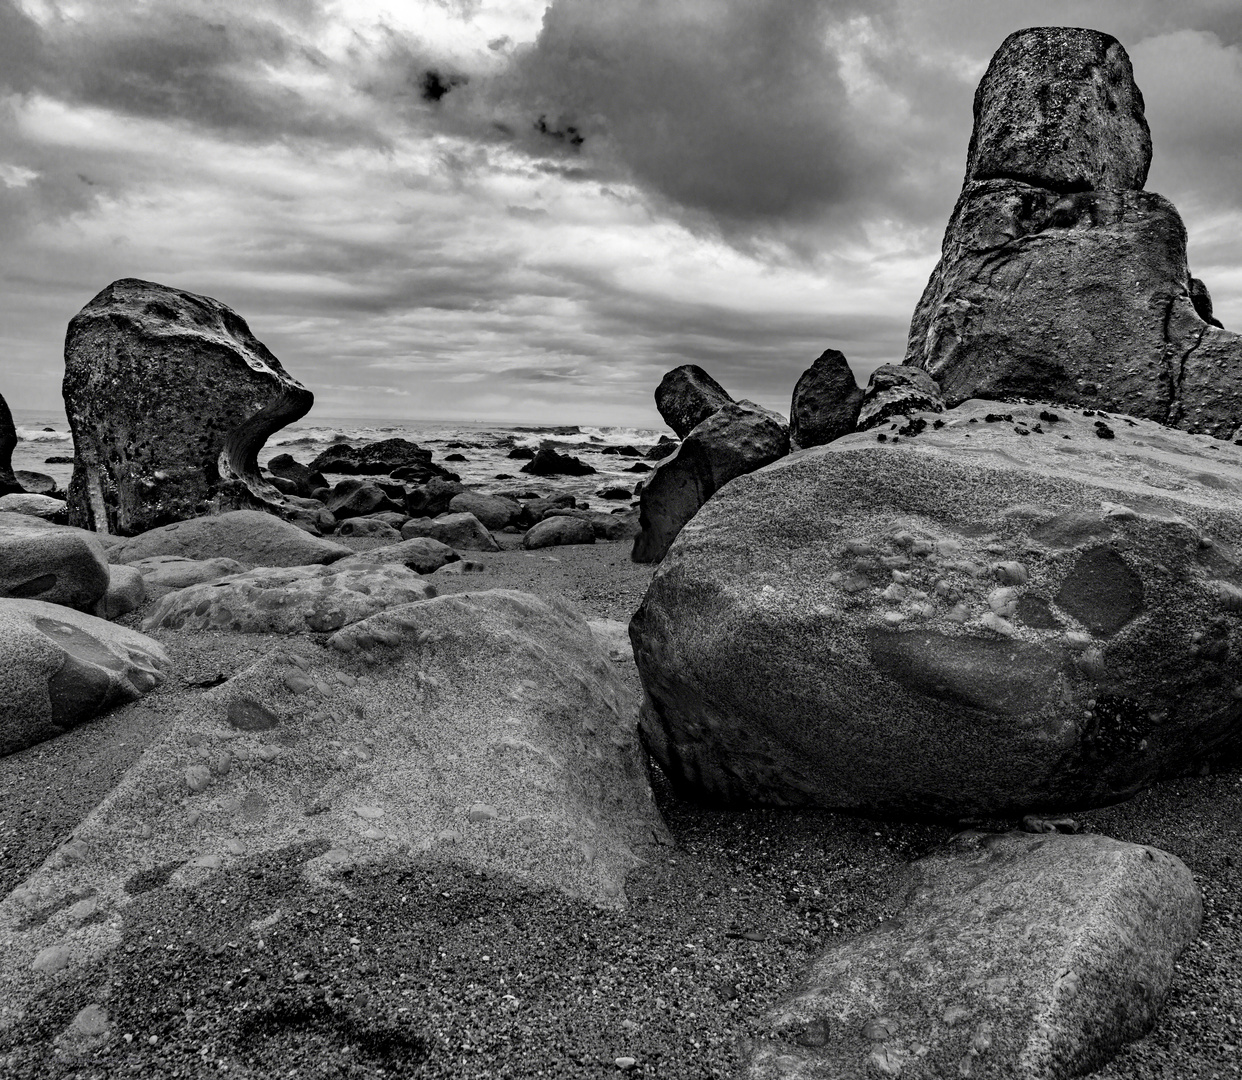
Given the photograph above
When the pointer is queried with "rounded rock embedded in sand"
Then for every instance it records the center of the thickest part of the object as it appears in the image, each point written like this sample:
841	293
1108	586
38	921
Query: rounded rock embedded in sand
52	959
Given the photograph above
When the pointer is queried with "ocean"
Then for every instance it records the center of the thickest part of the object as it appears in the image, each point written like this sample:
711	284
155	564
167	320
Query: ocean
485	446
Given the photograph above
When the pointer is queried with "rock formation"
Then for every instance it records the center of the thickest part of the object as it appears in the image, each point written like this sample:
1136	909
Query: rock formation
8	442
989	613
826	400
398	458
249	536
51	563
687	396
1060	278
547	462
462	532
897	391
169	397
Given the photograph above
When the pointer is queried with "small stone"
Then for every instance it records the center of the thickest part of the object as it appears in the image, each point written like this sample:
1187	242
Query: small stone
209	862
266	753
1003	602
625	1064
959	613
146	832
297	683
197	777
998	625
954	1013
247	714
234	847
880	1028
336	856
482	812
369	813
193	817
83	909
91	1022
1011	573
894	618
51	959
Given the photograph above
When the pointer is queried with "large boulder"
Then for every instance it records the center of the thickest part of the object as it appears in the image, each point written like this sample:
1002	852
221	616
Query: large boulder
547	462
63	667
170	398
1059	278
358	498
8	443
126	592
421	554
303	477
250	536
43	506
608	527
826	400
55	564
462	532
399	458
178	572
734	440
432	498
557	530
1013	611
289	600
495	511
1013	956
687	396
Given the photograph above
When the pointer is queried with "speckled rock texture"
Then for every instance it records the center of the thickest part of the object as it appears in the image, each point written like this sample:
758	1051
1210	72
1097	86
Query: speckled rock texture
8	442
1015	957
64	667
894	390
176	571
59	565
489	729
610	528
289	600
462	532
421	554
1060	279
993	613
170	397
556	530
825	404
735	439
249	536
687	396
126	592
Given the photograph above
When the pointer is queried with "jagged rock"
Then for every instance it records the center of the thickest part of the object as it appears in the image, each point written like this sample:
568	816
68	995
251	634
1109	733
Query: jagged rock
897	391
687	396
826	401
8	443
58	565
305	479
63	667
432	498
126	592
547	462
558	530
495	511
1013	956
463	532
249	536
289	600
1059	278
40	506
177	572
170	397
736	439
986	618
421	554
398	458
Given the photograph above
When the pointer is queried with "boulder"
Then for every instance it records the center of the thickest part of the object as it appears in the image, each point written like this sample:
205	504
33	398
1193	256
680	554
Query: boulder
557	530
126	592
63	667
432	498
662	449
8	443
1027	611
687	396
289	600
177	572
389	457
58	565
615	493
734	440
1013	956
369	527
170	398
623	451
608	527
463	532
358	498
897	391
37	483
305	479
826	401
42	506
421	554
547	462
639	467
495	511
521	453
249	536
538	508
1060	279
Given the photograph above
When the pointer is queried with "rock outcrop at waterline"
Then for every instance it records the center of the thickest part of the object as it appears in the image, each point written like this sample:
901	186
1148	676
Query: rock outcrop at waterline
1060	278
169	397
8	441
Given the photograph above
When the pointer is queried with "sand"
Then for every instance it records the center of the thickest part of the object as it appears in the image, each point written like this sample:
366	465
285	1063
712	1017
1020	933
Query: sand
420	969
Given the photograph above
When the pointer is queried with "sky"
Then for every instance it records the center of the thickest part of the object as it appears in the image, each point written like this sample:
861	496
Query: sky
528	211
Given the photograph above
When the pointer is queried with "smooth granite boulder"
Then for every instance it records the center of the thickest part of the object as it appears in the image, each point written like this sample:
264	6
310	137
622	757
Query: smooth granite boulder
1014	956
55	564
126	592
44	506
170	398
556	530
462	532
289	600
687	396
1004	612
249	536
64	667
734	440
826	400
495	511
421	554
358	498
177	572
610	528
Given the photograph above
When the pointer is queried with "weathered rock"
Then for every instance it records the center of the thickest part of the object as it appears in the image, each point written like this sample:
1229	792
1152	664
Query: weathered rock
736	439
556	530
897	391
826	401
607	527
8	442
547	462
463	532
58	565
42	506
178	572
249	536
305	479
662	449
388	456
615	493
421	554
37	483
1059	278
170	397
687	396
63	667
289	600
432	498
985	618
521	453
358	498
495	511
1015	956
538	509
370	527
126	592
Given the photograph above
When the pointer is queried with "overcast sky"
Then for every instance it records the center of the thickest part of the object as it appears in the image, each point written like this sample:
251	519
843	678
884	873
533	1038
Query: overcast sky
528	211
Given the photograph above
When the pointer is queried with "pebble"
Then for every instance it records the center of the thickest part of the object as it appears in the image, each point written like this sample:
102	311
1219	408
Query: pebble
1011	573
482	812
51	959
336	856
209	862
234	847
998	625
297	683
197	777
266	753
83	909
91	1021
369	813
1003	601
625	1064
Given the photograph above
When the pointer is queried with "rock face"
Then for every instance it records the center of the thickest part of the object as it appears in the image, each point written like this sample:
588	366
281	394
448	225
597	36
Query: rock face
826	400
1060	279
8	442
547	462
249	536
170	398
687	396
1015	956
46	562
289	600
734	440
988	617
63	667
897	391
